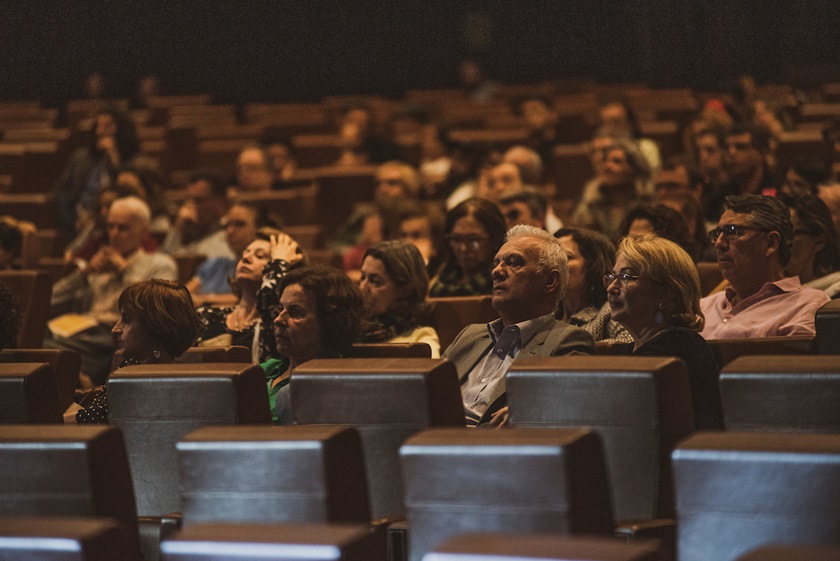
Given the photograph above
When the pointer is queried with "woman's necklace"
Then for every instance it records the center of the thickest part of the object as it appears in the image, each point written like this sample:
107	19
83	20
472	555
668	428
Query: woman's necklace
240	320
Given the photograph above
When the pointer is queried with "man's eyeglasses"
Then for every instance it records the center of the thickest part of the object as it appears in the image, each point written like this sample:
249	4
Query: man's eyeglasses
471	242
610	278
730	232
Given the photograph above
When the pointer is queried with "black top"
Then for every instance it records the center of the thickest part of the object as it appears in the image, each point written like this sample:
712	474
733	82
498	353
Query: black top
703	370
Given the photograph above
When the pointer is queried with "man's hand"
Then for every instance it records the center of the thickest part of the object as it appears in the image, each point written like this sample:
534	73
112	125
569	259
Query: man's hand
285	248
107	259
500	418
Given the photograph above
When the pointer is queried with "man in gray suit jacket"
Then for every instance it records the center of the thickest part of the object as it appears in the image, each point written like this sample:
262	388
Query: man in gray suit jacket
530	272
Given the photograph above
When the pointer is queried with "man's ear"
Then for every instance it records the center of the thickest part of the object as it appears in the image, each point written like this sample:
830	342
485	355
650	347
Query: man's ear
552	282
774	240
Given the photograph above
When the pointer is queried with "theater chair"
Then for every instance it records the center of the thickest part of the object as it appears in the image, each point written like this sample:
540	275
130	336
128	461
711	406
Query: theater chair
33	290
387	400
493	547
736	491
272	474
827	322
782	393
639	406
67	471
525	481
451	315
65	366
390	350
30	538
792	553
727	350
274	542
28	394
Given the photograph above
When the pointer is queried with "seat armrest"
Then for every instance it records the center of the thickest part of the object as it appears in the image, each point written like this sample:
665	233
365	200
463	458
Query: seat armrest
662	529
153	530
398	541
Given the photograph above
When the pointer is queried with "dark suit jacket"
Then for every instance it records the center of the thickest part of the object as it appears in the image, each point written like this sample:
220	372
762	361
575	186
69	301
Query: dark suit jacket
555	338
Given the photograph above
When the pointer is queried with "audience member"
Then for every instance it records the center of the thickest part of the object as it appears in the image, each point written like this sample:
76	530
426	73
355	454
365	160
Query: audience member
804	177
619	119
523	206
394	284
831	138
242	323
283	163
475	230
698	230
319	315
196	230
361	143
94	289
11	244
814	257
422	226
529	278
157	324
541	121
9	318
254	169
654	291
711	158
830	195
661	220
590	256
753	244
91	168
676	179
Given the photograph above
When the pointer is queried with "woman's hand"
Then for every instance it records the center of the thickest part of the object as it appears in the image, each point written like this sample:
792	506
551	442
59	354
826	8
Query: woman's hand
285	248
500	418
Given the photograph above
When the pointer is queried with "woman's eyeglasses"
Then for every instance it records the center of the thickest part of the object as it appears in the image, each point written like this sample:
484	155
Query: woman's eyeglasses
610	278
730	232
471	242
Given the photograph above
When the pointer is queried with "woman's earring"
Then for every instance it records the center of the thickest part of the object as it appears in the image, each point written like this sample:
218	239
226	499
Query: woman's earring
659	317
156	354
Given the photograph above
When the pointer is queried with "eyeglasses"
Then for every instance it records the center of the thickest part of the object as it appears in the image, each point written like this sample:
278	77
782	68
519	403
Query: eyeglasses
233	223
471	242
730	232
610	278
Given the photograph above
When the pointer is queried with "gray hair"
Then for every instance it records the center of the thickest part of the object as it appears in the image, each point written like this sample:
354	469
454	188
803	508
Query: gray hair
768	214
136	206
552	254
529	162
634	156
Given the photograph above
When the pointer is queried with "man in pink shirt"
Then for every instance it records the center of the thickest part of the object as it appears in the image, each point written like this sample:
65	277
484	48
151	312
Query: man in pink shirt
752	242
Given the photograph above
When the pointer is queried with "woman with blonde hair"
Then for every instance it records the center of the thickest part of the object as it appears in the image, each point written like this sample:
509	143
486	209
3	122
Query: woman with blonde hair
654	291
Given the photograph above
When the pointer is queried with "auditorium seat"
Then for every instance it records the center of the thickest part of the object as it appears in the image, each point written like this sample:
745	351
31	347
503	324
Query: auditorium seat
272	474
571	168
275	542
639	406
710	276
294	206
156	405
28	394
495	547
33	290
736	491
387	400
827	322
792	553
233	353
66	471
390	350
727	350
451	315
65	365
781	393
527	481
49	538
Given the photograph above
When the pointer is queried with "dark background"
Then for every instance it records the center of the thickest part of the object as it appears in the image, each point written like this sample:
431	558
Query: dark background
302	50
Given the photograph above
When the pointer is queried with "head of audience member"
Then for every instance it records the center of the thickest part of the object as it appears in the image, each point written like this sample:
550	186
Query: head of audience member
320	314
830	195
661	220
9	318
676	180
205	201
241	222
396	181
407	124
600	144
504	176
158	321
653	286
394	284
692	213
282	157
617	117
11	244
422	226
523	206
804	177
539	115
128	223
142	182
355	126
248	274
814	252
746	147
254	169
752	242
711	154
114	136
475	230
590	256
529	162
530	273
623	165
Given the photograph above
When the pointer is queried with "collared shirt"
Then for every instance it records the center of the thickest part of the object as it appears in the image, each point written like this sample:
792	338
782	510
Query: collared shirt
779	308
490	370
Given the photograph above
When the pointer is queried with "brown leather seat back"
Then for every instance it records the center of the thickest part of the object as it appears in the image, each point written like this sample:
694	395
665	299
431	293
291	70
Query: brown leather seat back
387	400
792	553
390	350
827	323
66	366
33	290
47	538
233	353
727	350
66	471
640	407
275	542
272	474
157	405
492	547
736	491
451	315
518	480
28	394
789	393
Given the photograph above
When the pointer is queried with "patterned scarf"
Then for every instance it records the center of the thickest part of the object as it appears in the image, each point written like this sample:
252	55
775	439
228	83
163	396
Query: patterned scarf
384	328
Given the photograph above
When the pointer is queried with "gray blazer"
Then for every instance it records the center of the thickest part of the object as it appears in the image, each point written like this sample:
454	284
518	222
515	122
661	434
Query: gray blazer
555	338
